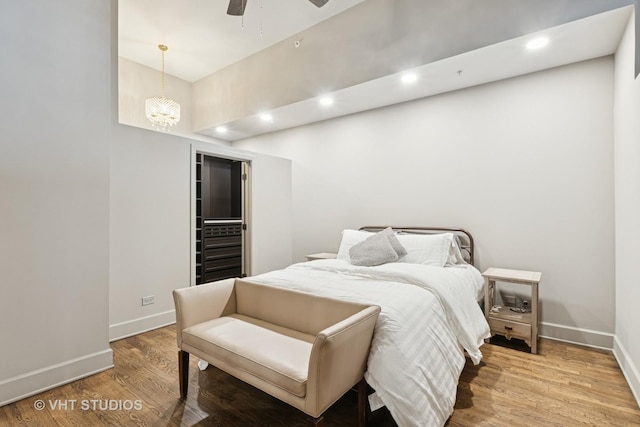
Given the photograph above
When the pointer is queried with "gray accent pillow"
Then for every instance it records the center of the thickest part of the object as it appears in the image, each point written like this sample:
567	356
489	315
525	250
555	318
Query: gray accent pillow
374	250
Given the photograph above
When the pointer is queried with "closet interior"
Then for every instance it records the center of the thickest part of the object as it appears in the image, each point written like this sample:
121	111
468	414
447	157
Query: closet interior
220	224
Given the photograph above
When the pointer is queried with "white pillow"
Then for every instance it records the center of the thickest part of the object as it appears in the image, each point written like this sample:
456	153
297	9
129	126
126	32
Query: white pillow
455	254
350	238
427	249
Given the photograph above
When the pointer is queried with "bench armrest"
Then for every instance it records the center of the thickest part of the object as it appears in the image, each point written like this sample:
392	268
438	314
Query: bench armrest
338	359
198	304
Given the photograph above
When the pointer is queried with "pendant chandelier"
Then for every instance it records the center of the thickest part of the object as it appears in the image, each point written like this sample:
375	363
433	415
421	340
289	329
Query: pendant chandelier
162	112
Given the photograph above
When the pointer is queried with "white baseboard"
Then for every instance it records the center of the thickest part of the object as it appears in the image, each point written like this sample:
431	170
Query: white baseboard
142	324
629	369
34	382
574	335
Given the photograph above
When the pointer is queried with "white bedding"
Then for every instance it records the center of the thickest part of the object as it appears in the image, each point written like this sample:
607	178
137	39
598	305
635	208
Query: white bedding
429	315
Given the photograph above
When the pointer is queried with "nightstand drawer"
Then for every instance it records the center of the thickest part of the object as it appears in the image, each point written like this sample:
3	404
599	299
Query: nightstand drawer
502	327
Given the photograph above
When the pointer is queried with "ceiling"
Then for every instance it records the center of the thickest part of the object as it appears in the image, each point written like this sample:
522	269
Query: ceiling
205	40
581	40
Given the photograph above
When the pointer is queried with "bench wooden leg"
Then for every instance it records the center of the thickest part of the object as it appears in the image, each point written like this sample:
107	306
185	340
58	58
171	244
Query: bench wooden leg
362	403
183	372
316	422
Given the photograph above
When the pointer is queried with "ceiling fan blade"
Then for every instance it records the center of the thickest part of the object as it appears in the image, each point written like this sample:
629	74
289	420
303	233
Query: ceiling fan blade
236	7
319	3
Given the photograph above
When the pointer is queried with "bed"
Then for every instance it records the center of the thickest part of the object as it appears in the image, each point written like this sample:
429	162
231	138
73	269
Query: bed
429	316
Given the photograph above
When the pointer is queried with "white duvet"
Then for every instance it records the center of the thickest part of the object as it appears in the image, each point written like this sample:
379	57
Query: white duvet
429	315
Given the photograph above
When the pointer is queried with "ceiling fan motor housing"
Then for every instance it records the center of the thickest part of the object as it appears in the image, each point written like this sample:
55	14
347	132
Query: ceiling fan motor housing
236	7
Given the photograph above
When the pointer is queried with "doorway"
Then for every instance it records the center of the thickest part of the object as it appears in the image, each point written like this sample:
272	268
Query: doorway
221	195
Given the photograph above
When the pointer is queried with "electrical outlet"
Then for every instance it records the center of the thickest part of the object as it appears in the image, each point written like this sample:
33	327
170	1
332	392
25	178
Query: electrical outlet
151	299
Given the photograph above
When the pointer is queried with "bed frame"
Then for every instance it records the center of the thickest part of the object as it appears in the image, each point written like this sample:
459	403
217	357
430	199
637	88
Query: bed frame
464	237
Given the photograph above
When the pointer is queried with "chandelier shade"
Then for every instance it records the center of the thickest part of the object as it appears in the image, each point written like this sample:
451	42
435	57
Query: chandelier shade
163	113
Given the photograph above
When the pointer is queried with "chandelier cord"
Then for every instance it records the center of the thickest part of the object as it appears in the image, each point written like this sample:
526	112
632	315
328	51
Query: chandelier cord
163	49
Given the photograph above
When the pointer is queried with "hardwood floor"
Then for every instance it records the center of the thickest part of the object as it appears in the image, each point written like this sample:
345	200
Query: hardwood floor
563	385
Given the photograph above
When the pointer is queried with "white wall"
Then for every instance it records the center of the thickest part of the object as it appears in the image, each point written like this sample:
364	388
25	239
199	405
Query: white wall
525	164
627	207
150	227
55	118
137	82
95	214
151	219
272	214
151	222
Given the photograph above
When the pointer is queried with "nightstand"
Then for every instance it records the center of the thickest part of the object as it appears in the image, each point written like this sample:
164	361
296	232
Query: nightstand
504	321
321	255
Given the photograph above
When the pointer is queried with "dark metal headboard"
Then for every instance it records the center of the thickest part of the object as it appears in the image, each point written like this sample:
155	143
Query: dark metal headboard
465	238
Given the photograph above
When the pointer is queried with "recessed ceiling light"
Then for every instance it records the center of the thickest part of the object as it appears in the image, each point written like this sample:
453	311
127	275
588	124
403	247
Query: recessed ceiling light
537	43
409	78
221	129
266	117
326	101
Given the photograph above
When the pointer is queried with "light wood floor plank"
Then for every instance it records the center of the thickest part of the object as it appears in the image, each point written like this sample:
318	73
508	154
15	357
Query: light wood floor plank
562	385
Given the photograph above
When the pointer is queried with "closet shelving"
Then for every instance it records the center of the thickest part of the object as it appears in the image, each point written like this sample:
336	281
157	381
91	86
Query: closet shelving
219	222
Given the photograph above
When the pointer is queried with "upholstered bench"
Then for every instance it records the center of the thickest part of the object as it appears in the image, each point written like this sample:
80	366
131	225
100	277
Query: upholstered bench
300	348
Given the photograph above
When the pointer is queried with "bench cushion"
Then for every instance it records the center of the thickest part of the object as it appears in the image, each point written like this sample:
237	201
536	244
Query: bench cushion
273	353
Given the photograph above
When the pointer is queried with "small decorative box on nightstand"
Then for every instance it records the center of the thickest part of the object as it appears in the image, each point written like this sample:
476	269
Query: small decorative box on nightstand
504	321
322	255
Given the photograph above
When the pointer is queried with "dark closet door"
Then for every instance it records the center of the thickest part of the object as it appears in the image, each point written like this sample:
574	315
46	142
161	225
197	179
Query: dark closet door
219	221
